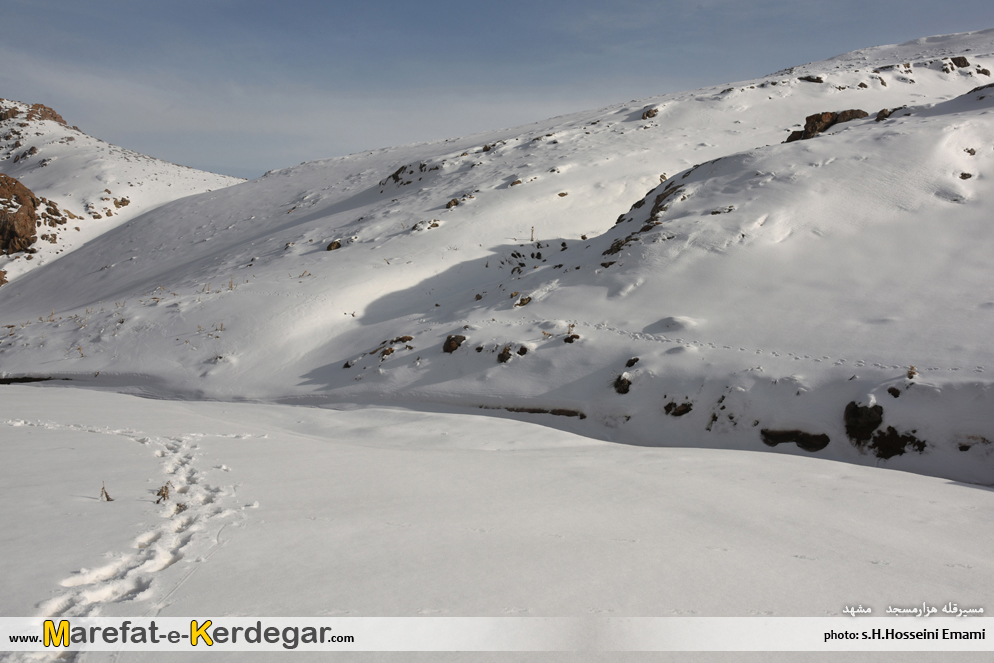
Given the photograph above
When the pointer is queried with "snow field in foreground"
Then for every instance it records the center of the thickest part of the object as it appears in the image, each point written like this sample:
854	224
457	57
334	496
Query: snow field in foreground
390	512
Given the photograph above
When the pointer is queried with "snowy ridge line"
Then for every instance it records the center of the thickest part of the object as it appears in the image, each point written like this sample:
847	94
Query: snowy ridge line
194	513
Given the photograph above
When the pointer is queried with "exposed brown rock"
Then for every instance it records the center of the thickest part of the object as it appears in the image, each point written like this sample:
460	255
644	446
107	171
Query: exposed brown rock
3	277
883	115
505	354
452	343
652	112
334	245
961	62
819	122
452	203
675	410
17	228
812	79
571	338
622	384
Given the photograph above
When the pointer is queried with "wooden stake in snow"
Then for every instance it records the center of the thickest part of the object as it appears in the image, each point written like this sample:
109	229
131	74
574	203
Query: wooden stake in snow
103	493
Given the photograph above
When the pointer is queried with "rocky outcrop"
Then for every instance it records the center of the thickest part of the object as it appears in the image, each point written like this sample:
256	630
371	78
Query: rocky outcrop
18	216
35	112
819	122
42	112
3	277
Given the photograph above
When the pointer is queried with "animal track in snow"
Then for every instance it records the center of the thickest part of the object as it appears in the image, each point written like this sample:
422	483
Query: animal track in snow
192	515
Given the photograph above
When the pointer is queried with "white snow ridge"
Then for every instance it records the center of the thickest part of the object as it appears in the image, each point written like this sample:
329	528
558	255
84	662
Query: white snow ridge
668	273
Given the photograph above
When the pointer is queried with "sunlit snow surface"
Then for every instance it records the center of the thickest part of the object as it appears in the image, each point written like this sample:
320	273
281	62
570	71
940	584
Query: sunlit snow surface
386	512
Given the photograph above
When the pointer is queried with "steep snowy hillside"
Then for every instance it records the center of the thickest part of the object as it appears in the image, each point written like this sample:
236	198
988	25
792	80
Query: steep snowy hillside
829	295
86	186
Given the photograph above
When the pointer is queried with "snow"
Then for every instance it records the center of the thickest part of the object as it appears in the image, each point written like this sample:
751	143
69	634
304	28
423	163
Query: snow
395	512
683	283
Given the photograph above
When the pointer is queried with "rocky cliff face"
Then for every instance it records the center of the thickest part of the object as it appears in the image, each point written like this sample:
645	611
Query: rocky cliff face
18	216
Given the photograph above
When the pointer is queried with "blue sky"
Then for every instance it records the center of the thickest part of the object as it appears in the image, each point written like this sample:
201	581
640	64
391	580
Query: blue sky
243	86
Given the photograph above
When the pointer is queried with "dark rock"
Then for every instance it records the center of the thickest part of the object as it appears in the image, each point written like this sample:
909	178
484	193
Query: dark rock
806	441
883	115
890	444
961	62
631	362
812	79
452	203
452	343
965	176
675	410
17	229
479	297
622	384
863	85
571	338
861	421
819	122
652	112
335	245
894	391
522	351
505	354
524	301
3	277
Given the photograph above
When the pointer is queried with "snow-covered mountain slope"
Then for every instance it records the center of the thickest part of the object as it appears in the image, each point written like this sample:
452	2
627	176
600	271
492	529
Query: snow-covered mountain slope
826	296
88	186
